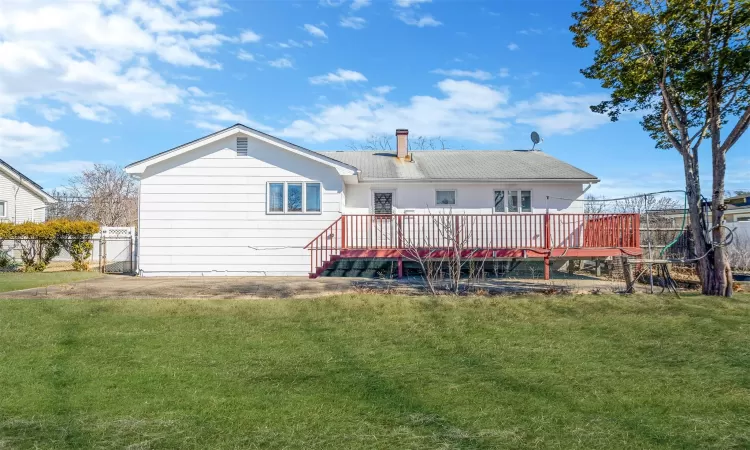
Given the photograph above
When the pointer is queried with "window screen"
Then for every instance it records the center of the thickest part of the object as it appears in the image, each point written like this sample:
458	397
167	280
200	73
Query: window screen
276	197
312	197
512	201
499	201
525	201
294	197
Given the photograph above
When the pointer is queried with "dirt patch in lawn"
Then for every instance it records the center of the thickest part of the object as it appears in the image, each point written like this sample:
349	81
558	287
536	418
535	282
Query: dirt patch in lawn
121	287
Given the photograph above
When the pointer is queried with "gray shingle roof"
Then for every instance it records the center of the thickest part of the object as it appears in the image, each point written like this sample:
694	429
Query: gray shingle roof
462	165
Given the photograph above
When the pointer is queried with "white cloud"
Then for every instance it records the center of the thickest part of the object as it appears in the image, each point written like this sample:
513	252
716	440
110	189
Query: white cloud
315	31
245	56
358	4
98	54
219	113
281	63
215	117
51	114
288	44
513	46
94	113
353	22
561	114
382	90
503	72
106	140
529	31
249	36
409	18
458	73
208	126
60	167
339	77
21	139
196	91
464	110
410	3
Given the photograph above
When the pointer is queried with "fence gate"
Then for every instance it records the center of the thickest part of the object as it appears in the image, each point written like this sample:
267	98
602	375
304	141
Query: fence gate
116	249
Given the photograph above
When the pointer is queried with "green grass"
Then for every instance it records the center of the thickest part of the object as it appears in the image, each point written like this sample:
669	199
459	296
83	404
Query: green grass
13	281
376	372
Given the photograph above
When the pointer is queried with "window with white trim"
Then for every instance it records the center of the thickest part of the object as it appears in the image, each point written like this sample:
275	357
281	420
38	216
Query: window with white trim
3	209
445	197
294	197
512	201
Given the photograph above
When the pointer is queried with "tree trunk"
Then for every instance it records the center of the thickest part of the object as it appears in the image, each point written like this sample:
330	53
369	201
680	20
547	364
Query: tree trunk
722	272
694	201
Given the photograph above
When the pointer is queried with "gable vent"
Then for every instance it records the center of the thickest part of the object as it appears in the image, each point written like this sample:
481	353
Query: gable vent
241	146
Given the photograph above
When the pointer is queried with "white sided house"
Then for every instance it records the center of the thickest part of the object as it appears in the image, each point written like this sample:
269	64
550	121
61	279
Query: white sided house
21	199
241	202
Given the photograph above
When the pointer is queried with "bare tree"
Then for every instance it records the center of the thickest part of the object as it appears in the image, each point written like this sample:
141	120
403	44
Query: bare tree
639	203
385	143
104	194
445	247
593	204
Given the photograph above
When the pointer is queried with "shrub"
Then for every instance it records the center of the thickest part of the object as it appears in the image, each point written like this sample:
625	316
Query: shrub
40	242
75	238
38	245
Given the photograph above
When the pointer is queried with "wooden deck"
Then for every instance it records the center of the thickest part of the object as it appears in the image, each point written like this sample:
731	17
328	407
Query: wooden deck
480	236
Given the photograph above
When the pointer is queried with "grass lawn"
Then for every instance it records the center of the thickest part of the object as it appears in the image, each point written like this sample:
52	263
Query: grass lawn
13	281
363	371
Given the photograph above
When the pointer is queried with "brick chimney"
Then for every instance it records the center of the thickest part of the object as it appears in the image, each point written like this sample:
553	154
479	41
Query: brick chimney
402	143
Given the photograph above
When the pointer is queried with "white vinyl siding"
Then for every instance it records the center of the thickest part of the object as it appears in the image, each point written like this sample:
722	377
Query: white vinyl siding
21	204
208	215
471	197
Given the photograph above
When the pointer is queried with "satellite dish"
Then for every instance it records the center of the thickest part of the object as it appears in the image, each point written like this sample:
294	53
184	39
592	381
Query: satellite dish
535	139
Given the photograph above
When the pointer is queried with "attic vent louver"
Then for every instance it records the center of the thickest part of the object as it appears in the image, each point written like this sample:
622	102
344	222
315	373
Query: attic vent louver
241	146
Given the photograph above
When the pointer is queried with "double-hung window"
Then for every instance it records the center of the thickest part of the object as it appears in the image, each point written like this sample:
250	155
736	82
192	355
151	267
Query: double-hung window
3	209
512	201
293	197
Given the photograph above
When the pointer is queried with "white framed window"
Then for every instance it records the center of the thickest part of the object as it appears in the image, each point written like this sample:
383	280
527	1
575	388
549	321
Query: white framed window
294	197
514	201
445	197
3	209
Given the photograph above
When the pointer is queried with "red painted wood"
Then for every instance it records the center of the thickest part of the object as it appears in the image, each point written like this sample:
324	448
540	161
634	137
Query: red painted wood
491	235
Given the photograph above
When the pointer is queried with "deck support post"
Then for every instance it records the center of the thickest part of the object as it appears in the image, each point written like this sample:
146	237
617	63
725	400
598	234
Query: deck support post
343	232
546	267
400	267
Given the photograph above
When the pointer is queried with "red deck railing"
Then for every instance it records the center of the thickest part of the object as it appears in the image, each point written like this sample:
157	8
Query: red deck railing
540	233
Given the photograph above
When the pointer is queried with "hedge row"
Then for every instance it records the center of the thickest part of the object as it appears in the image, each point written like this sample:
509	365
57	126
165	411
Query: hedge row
40	242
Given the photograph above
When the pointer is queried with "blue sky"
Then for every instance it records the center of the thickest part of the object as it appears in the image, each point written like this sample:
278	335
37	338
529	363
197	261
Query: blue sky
108	81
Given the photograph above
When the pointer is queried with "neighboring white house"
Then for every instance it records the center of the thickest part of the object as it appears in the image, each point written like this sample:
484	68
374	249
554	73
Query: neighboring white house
241	202
21	199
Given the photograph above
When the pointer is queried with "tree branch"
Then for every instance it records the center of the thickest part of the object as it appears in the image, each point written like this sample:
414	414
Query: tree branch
738	131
